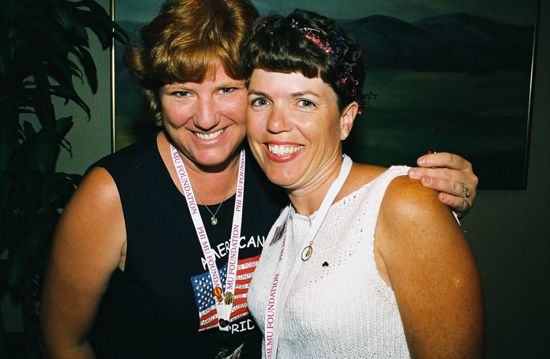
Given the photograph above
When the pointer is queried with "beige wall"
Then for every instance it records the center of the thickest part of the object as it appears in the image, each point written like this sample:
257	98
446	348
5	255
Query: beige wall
509	230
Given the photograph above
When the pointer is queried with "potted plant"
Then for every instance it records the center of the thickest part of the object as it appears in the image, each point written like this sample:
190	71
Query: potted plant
44	48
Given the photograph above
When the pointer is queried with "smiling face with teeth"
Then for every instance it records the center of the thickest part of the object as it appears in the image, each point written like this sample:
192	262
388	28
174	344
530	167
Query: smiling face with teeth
295	128
206	120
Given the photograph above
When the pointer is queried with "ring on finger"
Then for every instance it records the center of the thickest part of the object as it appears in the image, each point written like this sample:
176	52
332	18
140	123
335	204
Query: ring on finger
465	192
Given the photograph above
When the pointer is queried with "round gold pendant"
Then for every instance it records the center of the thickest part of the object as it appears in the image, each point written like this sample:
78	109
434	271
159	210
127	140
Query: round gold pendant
229	297
306	253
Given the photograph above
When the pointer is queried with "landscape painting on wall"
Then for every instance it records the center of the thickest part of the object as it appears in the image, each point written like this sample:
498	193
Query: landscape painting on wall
450	75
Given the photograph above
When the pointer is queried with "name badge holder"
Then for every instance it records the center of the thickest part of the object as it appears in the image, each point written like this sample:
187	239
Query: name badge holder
223	295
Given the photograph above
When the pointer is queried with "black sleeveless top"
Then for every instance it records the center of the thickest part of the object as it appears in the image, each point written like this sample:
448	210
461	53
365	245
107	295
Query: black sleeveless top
161	306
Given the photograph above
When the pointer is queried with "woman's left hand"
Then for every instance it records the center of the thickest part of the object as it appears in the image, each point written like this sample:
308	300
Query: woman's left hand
452	176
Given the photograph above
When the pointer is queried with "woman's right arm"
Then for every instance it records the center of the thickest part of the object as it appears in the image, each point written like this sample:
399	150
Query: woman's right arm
89	244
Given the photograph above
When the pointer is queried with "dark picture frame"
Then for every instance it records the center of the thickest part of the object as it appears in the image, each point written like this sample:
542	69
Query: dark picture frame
458	79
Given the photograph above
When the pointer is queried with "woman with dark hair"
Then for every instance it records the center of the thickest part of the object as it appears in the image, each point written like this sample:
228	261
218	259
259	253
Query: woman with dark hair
363	262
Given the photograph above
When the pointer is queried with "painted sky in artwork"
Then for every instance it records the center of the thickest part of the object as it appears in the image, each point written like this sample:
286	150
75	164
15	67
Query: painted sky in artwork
518	12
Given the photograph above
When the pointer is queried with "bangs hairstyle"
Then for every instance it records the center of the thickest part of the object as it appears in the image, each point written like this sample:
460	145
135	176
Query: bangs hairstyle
185	41
278	45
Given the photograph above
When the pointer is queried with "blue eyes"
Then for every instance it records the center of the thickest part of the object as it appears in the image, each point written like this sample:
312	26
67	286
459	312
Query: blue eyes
301	103
260	101
183	93
306	104
180	94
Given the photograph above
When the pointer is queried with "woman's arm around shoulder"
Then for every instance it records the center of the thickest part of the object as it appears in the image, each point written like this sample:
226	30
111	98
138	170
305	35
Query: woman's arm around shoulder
432	272
89	244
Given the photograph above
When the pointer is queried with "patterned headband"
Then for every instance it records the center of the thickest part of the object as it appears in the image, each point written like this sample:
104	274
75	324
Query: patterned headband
333	44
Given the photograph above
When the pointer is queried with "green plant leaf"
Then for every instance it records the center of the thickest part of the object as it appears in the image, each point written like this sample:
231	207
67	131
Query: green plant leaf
42	101
28	130
8	140
100	23
4	58
58	188
80	34
62	13
88	64
36	240
44	48
95	23
71	94
17	265
61	72
38	152
45	33
63	125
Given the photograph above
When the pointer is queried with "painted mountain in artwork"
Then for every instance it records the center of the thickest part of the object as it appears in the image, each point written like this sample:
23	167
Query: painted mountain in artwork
454	42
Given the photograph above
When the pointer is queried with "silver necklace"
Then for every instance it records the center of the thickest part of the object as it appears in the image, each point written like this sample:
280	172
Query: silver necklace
214	218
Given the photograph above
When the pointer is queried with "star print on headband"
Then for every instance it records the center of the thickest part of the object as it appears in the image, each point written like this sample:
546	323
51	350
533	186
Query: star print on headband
332	44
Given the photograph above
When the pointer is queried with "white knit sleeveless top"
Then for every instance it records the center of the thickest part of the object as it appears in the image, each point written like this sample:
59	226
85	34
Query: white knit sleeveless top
338	306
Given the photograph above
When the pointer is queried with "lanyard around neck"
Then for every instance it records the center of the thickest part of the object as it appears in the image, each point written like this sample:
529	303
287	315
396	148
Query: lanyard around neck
277	297
223	295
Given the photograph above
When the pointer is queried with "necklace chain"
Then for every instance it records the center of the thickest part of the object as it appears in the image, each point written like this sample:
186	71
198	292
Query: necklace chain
214	218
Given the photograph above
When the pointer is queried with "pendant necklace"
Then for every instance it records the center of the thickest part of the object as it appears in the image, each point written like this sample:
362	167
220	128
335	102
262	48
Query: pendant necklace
214	218
284	269
318	219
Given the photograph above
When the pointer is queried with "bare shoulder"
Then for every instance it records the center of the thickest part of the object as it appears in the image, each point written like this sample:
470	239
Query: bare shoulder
359	175
362	174
93	217
407	197
98	184
366	171
412	218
